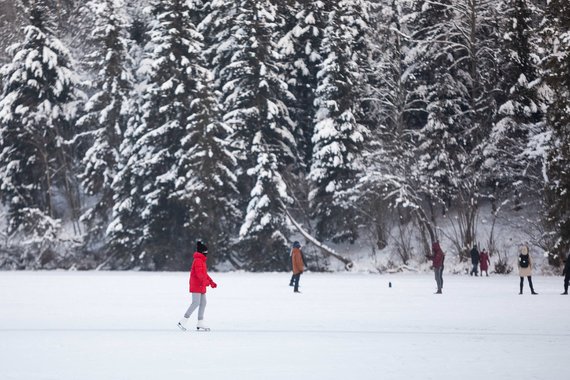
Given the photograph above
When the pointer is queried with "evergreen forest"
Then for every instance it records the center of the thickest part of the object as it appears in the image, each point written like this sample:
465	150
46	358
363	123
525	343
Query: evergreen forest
131	128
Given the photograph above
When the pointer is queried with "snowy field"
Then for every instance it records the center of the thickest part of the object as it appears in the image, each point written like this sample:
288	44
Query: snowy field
103	325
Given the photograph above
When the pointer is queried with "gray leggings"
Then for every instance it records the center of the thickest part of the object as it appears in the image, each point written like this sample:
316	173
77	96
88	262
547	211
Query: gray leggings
198	300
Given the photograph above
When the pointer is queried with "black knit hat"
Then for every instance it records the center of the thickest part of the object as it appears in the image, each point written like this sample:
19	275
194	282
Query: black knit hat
201	247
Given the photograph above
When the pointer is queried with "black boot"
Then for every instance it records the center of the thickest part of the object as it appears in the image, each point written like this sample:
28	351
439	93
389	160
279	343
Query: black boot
531	287
521	286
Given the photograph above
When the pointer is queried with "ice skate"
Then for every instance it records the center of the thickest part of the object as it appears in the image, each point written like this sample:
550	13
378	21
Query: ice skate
201	326
182	324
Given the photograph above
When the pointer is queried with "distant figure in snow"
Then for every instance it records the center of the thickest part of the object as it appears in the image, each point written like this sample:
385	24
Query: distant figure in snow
437	256
525	267
484	262
566	273
296	244
474	260
199	280
298	265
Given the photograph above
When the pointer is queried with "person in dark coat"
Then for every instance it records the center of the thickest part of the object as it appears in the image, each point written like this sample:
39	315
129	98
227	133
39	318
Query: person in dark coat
566	274
474	260
438	257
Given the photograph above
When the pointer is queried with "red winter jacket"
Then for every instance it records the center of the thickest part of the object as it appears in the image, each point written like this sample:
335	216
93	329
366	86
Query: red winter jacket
199	278
484	261
438	256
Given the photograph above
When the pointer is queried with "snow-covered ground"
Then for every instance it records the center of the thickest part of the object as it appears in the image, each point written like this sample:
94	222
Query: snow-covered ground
122	325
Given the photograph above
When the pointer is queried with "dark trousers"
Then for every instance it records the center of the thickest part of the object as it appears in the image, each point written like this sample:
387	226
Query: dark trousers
566	282
474	269
529	284
296	278
439	278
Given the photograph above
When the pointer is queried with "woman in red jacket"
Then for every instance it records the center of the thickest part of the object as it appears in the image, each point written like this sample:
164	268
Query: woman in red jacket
484	262
199	280
437	258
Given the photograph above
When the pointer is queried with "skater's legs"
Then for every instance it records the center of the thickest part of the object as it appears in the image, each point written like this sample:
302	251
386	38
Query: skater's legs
296	279
436	273
530	284
439	278
202	307
474	270
196	298
566	282
521	285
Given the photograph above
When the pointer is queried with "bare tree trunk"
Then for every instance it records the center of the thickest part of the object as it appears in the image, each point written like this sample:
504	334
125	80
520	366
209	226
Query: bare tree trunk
425	223
465	227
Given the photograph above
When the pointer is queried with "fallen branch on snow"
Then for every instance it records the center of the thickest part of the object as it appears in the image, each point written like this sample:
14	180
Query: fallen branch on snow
401	268
348	264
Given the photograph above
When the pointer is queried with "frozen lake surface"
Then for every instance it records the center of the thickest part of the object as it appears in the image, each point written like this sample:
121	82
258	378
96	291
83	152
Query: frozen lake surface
122	325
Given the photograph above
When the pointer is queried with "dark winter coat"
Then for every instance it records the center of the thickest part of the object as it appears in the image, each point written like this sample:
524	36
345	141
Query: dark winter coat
199	278
566	271
437	256
474	256
484	257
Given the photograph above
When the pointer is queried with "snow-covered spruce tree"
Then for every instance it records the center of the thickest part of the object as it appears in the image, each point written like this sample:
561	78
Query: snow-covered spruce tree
429	24
339	134
150	227
11	22
138	22
107	112
37	112
217	24
389	154
207	183
458	71
520	116
437	73
300	47
479	34
556	30
200	10
264	232
254	96
303	24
